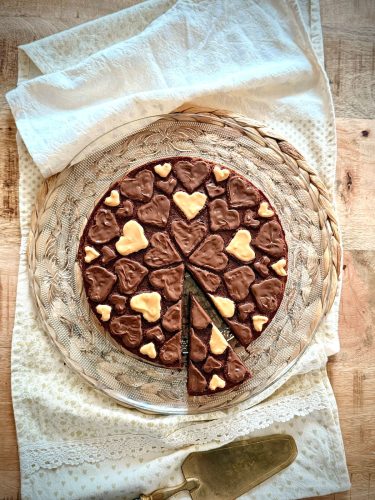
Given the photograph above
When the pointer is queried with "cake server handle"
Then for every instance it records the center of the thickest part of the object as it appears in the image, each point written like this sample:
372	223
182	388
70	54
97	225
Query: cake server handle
164	493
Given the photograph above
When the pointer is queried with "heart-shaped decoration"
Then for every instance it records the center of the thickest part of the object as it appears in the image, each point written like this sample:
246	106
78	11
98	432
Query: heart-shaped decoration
212	364
258	322
104	227
235	370
187	235
265	210
279	267
210	282
221	217
238	282
155	212
240	247
270	239
148	304
190	204
213	191
217	342
163	252
126	209
108	254
90	254
129	328
225	306
167	186
250	220
191	173
241	332
268	294
170	281
262	266
155	334
118	302
113	200
210	254
172	318
170	353
221	173
241	193
130	274
139	188
134	239
163	170
100	282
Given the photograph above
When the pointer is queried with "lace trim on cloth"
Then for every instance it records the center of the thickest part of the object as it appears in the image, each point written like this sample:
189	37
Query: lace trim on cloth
52	455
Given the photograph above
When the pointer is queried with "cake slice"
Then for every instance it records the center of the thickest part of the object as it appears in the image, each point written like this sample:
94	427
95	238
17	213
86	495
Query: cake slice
213	365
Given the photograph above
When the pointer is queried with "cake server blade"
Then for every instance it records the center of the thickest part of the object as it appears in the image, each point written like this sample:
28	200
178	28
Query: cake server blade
230	471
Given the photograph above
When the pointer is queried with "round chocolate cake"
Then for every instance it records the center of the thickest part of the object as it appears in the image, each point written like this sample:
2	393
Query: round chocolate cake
181	215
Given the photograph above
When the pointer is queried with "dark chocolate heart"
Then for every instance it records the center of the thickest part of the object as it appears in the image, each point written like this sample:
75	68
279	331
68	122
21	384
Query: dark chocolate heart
221	217
270	239
155	334
210	282
188	236
170	353
268	294
130	274
245	309
170	281
242	194
238	282
156	212
126	209
191	173
162	252
197	348
249	219
118	302
199	319
104	227
261	266
210	254
197	384
172	318
167	186
213	191
212	364
129	328
242	332
108	254
139	188
100	282
235	371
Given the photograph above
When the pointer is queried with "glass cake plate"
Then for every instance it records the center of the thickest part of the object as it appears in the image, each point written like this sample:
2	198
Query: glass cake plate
63	210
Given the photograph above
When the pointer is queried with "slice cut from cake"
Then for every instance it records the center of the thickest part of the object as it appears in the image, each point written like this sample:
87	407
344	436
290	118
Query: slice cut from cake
213	365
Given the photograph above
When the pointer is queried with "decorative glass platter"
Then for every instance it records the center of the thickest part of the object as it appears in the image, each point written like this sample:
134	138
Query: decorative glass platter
270	163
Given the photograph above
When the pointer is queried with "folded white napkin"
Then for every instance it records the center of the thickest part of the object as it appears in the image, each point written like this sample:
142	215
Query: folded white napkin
262	59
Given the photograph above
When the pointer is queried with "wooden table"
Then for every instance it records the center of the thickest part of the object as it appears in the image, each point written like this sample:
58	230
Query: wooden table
349	32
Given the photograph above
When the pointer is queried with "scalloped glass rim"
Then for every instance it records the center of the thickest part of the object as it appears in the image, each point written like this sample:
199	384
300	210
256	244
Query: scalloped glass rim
109	142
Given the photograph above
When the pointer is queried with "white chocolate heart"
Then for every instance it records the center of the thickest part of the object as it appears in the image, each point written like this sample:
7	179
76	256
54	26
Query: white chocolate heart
216	382
163	170
218	344
148	304
265	210
221	173
240	247
134	238
113	200
258	322
148	350
190	204
104	310
279	267
226	307
90	254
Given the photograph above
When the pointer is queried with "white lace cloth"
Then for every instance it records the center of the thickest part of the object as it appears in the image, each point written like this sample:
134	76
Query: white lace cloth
73	441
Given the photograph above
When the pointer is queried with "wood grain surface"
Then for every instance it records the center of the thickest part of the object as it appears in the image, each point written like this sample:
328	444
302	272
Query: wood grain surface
349	33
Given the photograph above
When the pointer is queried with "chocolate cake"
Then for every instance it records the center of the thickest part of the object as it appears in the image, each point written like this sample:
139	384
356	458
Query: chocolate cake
213	365
170	217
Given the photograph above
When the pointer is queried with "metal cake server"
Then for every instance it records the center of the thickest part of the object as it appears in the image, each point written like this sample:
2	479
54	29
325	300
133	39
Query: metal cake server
230	471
